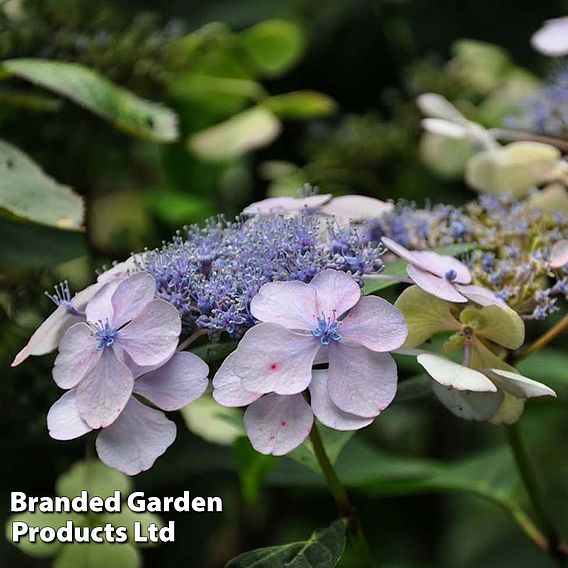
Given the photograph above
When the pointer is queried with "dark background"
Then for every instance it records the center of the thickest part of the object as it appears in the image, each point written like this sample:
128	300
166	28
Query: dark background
358	52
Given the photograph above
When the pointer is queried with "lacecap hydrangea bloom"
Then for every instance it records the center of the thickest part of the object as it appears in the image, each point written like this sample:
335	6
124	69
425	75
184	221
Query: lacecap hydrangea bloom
512	243
300	325
211	274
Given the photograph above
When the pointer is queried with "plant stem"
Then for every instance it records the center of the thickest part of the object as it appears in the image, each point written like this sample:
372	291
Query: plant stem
543	340
344	507
554	547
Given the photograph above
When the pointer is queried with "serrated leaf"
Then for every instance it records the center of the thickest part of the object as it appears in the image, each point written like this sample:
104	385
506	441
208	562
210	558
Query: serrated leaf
273	46
89	89
246	131
213	422
301	105
96	555
30	194
322	550
92	476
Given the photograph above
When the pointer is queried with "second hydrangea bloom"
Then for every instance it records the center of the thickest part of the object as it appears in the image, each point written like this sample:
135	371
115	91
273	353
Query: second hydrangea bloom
325	321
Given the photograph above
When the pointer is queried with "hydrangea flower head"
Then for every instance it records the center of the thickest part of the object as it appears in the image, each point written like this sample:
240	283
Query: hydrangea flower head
493	394
125	327
210	274
325	321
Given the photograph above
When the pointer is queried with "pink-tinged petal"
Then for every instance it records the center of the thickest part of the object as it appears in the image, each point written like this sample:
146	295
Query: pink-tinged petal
176	384
274	205
559	254
136	439
271	358
122	269
438	287
270	205
336	292
450	374
442	265
152	337
47	336
480	295
78	354
291	304
227	386
131	296
99	308
278	424
356	207
63	420
360	381
329	413
399	250
552	38
375	324
105	390
469	405
313	202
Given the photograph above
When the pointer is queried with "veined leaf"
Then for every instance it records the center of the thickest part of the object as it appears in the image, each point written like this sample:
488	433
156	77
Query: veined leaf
28	193
322	550
94	92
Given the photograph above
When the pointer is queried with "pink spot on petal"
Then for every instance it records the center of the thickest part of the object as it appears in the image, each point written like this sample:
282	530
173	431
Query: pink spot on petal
283	423
273	366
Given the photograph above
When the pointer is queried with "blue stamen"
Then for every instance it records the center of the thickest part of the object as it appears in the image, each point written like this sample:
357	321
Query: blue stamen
104	334
327	330
62	297
451	275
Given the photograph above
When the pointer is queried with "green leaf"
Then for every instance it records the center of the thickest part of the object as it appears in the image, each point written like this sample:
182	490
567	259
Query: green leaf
333	440
253	468
322	550
37	246
414	388
89	89
96	555
246	131
28	193
127	518
274	46
301	105
94	477
397	268
213	422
